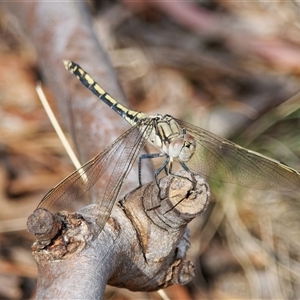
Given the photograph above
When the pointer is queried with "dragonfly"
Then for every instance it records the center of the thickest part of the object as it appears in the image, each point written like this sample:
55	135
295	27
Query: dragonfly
195	149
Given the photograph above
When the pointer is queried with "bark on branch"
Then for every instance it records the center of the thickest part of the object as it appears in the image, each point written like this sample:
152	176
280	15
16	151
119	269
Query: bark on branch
142	246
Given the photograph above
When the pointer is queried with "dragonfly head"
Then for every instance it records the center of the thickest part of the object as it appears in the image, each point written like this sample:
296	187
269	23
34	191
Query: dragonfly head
182	147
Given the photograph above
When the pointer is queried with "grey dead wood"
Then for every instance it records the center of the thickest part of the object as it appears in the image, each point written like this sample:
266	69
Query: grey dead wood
73	263
142	246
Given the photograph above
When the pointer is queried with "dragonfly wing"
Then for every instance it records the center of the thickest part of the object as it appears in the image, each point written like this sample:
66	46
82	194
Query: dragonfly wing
128	152
224	160
121	154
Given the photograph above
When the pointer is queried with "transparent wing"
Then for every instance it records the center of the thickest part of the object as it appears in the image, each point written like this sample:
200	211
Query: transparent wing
223	160
119	156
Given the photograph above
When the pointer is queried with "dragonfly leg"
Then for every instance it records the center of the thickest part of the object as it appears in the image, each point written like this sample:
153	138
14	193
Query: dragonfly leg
163	166
185	167
150	156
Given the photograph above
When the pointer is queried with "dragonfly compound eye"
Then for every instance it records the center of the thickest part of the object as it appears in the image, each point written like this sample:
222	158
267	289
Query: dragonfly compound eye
188	148
176	146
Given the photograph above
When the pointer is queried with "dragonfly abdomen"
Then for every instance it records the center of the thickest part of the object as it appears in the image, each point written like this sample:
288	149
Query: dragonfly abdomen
131	116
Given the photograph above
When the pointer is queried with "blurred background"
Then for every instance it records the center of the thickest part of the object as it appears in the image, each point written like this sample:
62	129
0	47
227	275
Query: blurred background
229	67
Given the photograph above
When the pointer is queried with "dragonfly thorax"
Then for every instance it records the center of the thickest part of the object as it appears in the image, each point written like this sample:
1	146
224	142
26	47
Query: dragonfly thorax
168	136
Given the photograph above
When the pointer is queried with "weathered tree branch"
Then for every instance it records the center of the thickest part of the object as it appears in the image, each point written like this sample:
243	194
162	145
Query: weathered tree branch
142	247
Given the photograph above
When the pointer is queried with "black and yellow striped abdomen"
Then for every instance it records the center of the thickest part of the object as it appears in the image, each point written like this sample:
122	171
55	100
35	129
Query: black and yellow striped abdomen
131	116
